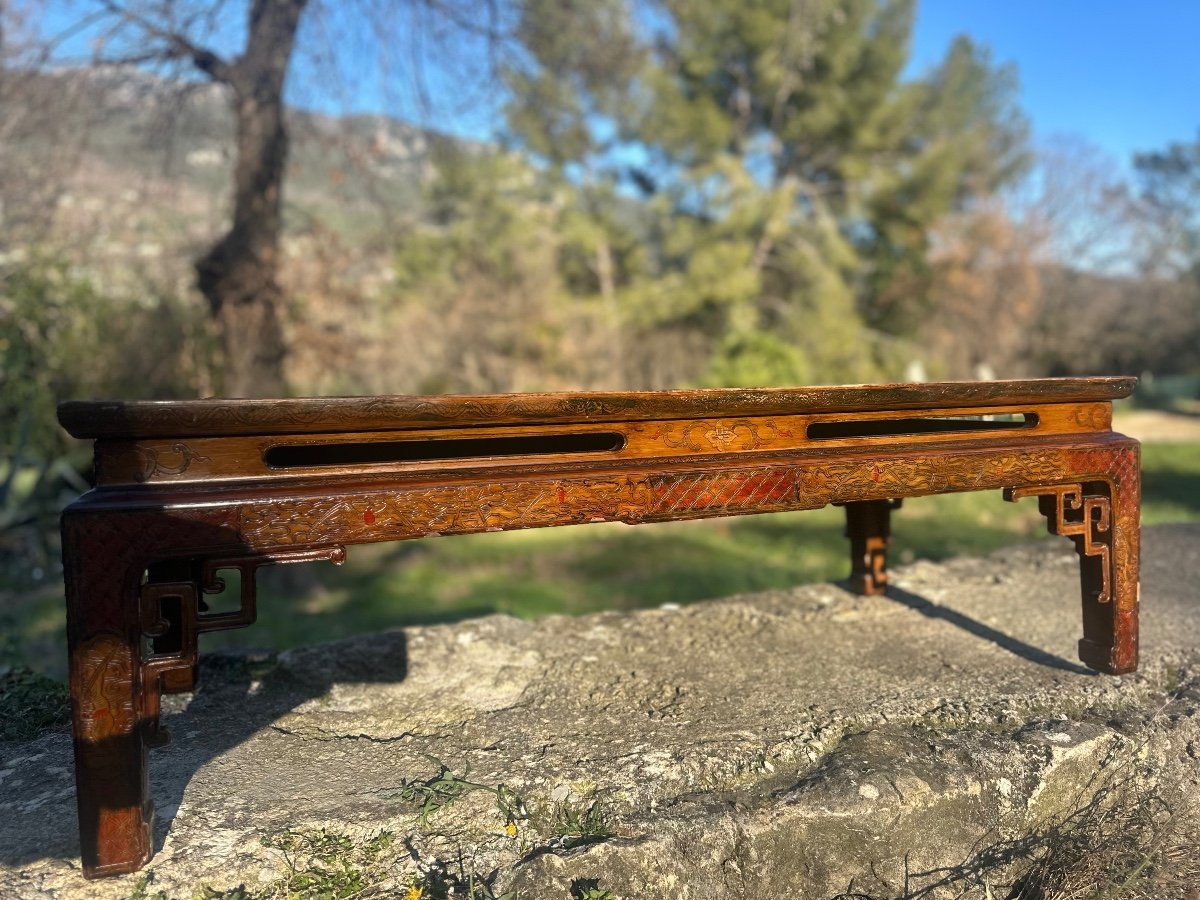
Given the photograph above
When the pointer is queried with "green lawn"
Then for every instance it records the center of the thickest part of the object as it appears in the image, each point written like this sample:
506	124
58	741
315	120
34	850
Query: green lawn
1170	483
594	567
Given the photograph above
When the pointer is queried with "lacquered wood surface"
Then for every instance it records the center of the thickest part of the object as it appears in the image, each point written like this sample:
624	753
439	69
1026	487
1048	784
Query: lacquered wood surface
195	418
211	459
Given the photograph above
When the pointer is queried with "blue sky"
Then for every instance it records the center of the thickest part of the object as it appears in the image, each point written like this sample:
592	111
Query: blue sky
1123	75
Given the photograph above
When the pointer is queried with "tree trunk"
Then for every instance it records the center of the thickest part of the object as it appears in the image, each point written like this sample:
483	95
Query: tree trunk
608	291
239	275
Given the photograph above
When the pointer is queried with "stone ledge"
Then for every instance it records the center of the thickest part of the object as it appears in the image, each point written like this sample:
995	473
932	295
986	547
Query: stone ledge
794	743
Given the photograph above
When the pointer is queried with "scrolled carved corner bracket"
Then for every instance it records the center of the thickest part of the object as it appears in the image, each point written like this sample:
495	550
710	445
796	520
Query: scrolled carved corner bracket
247	566
1083	517
174	671
171	671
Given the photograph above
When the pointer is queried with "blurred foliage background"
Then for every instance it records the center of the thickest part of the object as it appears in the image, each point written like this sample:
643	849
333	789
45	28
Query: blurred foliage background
673	193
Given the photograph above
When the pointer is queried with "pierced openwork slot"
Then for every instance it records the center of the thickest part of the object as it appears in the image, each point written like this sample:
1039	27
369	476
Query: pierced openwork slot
298	456
827	431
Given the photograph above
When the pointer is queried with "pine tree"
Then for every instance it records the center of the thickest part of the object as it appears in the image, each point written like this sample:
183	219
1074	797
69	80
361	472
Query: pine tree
769	162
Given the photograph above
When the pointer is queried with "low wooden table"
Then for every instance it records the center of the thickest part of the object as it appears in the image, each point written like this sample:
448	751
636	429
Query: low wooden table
187	489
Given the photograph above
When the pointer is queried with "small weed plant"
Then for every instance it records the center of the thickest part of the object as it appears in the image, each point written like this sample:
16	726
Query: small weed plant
446	788
590	889
326	864
574	825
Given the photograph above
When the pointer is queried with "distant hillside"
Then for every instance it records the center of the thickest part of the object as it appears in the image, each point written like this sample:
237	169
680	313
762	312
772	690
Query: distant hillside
354	174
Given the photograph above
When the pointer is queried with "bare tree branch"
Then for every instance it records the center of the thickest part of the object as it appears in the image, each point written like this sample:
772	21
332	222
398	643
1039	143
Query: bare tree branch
177	46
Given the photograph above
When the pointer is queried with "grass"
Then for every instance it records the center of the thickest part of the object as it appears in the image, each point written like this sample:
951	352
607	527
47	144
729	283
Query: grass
318	864
30	703
576	824
1170	483
587	568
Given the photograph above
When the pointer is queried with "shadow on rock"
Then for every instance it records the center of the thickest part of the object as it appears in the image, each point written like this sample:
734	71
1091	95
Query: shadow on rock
1013	645
238	694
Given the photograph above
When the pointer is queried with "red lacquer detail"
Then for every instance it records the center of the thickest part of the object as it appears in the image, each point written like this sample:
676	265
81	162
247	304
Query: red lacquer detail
876	475
562	494
369	517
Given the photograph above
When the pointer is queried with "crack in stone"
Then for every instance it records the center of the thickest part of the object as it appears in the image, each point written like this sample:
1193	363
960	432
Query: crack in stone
328	737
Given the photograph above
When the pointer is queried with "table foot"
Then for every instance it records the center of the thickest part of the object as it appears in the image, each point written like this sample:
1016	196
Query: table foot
868	525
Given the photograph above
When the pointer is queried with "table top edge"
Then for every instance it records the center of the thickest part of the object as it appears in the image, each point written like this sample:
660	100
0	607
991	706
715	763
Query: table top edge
136	419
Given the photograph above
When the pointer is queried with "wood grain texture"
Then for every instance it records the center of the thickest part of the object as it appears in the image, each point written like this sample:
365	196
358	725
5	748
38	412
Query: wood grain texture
196	418
241	457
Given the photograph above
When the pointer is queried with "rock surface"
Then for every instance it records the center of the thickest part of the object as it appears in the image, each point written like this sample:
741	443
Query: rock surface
800	744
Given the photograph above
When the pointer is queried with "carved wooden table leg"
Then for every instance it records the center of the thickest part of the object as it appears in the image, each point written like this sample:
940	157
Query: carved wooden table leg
868	525
1099	509
135	579
104	634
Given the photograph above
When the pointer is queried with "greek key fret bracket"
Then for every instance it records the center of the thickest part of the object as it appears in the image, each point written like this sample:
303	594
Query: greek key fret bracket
174	670
247	566
1085	518
169	671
